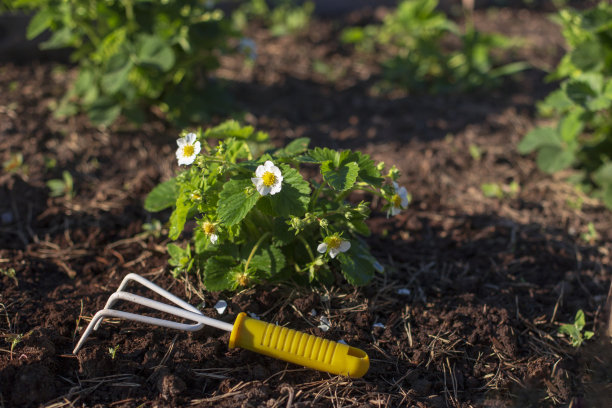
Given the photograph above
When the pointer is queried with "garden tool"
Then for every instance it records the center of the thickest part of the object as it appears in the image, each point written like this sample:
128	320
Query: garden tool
246	332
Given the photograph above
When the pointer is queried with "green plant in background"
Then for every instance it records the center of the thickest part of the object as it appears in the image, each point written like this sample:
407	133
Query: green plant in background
416	35
136	54
582	137
62	187
282	17
258	219
574	331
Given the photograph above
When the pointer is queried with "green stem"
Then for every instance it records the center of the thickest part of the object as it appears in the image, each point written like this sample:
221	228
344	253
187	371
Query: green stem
315	196
255	247
301	238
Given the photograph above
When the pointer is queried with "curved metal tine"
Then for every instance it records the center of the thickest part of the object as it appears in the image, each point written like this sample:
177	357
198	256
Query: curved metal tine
176	311
150	285
130	297
123	315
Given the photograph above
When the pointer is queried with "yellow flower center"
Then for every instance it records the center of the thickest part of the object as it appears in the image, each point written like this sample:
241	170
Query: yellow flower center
209	228
333	242
188	150
195	196
268	179
396	200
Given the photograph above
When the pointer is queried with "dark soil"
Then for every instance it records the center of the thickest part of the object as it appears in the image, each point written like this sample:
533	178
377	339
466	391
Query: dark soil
490	279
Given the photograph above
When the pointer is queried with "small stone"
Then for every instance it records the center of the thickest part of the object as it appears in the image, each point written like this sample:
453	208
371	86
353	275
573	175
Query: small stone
221	306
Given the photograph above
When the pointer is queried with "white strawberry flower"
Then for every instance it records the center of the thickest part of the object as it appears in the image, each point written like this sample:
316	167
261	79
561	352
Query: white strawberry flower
334	244
400	199
188	149
268	180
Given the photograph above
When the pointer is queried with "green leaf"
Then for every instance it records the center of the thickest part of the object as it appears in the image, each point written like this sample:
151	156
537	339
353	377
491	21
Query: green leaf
179	216
356	266
103	111
537	138
341	178
294	195
218	274
319	155
269	260
294	148
587	56
558	100
39	23
236	200
361	227
163	196
59	39
116	75
552	158
579	91
570	330
228	129
367	170
603	175
153	51
570	127
579	320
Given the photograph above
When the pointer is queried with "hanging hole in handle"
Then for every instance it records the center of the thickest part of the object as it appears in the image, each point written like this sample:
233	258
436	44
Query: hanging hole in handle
355	352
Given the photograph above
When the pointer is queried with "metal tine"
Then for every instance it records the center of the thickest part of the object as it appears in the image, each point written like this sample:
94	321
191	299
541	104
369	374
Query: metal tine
176	311
155	288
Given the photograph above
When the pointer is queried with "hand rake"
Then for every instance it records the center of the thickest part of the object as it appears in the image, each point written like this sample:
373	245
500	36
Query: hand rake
246	332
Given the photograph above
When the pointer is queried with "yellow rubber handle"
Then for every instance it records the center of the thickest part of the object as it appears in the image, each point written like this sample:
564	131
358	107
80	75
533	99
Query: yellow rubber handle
298	348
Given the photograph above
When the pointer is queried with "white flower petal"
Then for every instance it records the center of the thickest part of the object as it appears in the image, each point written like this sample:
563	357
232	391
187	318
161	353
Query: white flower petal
395	186
196	148
322	248
190	138
214	238
263	189
269	165
344	246
221	306
395	210
275	188
333	252
277	173
260	171
181	142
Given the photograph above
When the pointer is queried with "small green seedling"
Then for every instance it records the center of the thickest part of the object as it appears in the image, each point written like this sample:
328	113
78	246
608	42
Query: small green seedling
574	331
591	235
475	152
14	164
14	339
11	273
500	191
62	187
112	351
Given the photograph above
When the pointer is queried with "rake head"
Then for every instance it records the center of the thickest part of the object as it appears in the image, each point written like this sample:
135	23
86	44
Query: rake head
252	334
